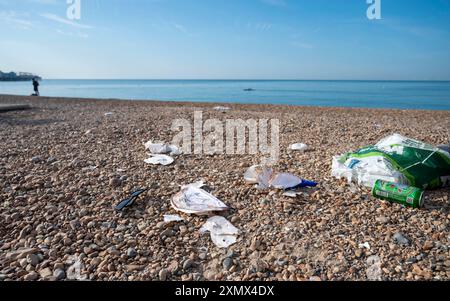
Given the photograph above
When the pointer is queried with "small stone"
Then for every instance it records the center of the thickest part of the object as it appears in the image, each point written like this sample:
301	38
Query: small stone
131	253
163	274
31	276
45	273
235	219
15	216
411	260
227	263
23	262
59	274
87	250
183	229
160	225
255	244
173	267
115	182
382	219
33	259
22	253
74	224
133	267
167	233
259	265
51	160
230	253
428	245
188	264
36	159
400	239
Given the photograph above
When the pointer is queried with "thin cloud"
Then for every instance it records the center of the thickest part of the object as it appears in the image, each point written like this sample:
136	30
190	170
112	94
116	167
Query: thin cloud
15	19
58	19
302	45
72	34
262	26
180	27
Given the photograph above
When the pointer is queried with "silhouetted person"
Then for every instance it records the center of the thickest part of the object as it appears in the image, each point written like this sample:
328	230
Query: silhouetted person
36	87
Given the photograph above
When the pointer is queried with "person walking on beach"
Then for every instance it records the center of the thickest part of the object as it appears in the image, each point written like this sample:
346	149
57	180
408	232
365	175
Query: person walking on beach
36	87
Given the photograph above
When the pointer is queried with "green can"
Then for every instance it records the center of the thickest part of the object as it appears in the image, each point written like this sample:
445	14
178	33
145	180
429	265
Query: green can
397	193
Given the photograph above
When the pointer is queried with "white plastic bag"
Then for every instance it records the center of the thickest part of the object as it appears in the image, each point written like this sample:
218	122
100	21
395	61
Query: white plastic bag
162	148
299	147
194	200
223	233
159	160
172	218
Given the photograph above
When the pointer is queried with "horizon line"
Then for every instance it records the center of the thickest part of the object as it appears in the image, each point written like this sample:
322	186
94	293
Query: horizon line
255	79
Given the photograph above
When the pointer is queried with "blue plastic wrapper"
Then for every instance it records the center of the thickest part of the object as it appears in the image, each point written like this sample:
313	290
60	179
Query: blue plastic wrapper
303	184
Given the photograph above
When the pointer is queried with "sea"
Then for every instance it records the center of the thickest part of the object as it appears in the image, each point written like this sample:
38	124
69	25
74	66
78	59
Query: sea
427	95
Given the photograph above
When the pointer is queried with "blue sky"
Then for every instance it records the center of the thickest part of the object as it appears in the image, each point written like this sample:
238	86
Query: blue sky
227	39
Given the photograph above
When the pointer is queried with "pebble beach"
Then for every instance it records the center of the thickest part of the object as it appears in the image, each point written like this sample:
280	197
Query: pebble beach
65	164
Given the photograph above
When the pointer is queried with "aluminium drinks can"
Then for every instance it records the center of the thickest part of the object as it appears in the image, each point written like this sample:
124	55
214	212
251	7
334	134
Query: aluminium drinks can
403	194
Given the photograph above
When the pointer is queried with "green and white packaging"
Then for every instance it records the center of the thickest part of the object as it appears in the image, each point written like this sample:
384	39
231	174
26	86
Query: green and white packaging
396	159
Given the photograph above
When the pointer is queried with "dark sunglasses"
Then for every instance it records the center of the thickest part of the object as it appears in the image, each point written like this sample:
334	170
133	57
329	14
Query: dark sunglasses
130	200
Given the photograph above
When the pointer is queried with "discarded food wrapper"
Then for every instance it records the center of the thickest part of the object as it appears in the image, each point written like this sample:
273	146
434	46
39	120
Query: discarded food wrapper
159	160
221	108
265	177
223	233
251	175
444	147
284	181
198	184
162	148
364	245
172	218
194	200
395	159
291	194
299	147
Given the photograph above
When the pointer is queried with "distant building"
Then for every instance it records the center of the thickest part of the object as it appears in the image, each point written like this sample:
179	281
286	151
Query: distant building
21	76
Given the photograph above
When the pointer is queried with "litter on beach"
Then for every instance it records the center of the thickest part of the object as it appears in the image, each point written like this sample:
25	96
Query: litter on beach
130	200
299	147
221	108
291	194
365	245
162	148
159	160
223	233
109	114
266	177
172	218
194	200
398	160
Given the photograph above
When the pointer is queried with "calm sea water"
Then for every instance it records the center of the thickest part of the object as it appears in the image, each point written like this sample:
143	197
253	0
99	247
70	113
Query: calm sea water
367	94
